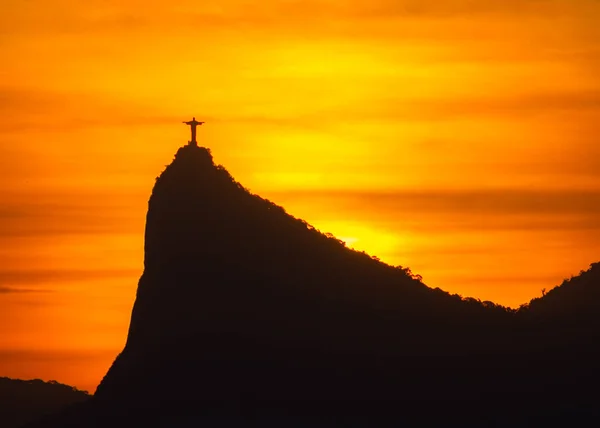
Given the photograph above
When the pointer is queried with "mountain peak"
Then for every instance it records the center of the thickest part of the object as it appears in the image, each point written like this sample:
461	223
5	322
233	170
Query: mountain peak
192	153
191	164
221	262
242	304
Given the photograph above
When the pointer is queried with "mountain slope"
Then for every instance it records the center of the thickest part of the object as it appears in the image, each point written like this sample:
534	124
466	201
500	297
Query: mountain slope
244	311
231	277
575	301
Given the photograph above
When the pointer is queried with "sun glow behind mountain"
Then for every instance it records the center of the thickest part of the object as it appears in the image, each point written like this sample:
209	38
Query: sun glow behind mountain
454	138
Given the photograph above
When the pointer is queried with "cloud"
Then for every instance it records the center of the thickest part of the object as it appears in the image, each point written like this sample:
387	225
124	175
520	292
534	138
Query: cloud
13	279
10	290
149	16
28	109
470	107
446	8
80	212
493	202
458	210
530	104
67	356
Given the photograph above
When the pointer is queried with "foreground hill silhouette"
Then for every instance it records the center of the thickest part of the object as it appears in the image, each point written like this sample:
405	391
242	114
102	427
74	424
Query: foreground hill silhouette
23	401
247	314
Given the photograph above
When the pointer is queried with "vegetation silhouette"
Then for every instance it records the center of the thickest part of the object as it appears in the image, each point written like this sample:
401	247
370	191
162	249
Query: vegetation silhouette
23	401
245	314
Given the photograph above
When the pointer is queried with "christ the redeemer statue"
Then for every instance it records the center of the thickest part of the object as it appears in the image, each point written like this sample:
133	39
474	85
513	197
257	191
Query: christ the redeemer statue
193	124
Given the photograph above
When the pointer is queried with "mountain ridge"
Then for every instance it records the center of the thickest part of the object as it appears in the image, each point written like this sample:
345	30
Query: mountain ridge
210	240
244	306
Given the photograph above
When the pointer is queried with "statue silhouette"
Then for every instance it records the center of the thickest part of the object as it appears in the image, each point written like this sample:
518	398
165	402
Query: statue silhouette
193	124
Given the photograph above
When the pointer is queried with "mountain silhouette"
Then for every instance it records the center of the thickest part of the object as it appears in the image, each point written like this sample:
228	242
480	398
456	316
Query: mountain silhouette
574	303
23	401
245	314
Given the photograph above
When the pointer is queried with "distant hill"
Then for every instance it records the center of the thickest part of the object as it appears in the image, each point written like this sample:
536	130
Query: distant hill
23	401
568	317
575	301
247	314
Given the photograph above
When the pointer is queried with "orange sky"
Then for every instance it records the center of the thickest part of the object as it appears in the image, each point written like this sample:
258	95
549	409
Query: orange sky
457	138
